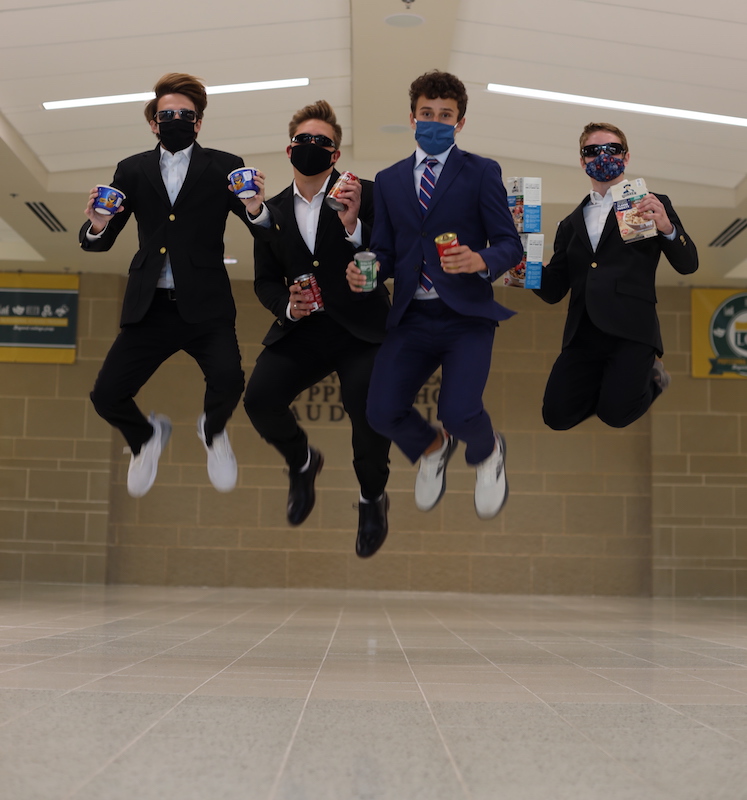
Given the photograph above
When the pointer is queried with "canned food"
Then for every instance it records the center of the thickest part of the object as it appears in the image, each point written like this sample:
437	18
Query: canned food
334	192
310	291
366	263
444	242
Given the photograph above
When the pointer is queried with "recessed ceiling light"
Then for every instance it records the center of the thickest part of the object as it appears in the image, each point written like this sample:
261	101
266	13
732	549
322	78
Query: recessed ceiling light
617	105
230	260
257	86
404	20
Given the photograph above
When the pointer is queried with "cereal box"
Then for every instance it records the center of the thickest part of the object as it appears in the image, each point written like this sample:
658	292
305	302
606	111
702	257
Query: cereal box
528	273
525	203
633	226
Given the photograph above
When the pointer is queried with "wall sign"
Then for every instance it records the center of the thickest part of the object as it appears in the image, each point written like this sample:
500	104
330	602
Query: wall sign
38	317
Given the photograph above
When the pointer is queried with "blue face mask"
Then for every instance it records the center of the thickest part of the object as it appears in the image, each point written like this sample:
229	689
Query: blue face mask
434	137
605	168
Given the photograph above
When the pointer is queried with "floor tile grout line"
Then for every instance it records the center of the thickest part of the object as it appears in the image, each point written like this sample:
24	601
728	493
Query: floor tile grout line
99	677
617	683
549	706
459	776
176	705
297	727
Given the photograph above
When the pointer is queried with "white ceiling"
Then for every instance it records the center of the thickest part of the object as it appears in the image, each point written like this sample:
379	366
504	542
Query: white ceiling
677	53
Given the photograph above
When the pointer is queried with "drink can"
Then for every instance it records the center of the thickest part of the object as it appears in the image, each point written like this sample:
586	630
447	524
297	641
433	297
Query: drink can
340	183
444	242
366	263
310	291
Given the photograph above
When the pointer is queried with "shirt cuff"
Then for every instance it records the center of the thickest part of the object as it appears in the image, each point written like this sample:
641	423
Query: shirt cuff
262	219
356	237
93	236
288	313
671	236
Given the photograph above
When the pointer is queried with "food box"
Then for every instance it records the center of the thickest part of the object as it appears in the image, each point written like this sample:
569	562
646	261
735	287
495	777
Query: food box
633	226
528	273
525	203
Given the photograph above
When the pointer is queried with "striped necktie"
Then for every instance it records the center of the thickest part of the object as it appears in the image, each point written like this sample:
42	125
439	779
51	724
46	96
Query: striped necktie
427	185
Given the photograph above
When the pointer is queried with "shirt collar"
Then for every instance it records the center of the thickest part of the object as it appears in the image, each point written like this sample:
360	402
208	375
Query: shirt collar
167	157
421	155
596	199
323	190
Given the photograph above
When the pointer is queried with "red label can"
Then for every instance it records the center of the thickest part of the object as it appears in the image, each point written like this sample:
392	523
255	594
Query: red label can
340	183
310	291
445	241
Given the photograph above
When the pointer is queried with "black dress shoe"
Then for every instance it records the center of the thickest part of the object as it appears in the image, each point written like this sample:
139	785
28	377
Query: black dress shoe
301	494
373	526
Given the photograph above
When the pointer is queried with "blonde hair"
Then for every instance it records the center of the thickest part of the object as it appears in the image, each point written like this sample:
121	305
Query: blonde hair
592	127
322	111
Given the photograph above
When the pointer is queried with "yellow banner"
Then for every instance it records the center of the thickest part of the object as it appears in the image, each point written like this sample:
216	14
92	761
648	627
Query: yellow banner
719	333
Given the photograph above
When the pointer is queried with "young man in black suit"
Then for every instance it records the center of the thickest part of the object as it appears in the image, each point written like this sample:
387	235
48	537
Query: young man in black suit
610	362
296	232
178	295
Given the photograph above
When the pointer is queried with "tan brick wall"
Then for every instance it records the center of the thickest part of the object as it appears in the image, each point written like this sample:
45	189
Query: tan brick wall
55	456
578	521
700	473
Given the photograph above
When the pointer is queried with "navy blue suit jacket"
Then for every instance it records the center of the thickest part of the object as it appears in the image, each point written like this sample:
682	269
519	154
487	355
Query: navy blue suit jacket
469	200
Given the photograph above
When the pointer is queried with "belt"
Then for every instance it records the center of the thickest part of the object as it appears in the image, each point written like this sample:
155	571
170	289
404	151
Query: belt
166	294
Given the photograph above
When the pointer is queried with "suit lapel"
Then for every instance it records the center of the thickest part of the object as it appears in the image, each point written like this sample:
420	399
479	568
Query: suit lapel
450	170
326	214
610	226
405	173
152	169
198	163
287	208
579	224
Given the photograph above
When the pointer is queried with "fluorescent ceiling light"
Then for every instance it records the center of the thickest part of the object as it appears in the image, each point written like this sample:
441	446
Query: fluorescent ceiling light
618	105
145	96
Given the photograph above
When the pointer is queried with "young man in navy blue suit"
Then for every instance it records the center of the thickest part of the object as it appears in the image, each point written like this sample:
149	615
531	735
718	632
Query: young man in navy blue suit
443	312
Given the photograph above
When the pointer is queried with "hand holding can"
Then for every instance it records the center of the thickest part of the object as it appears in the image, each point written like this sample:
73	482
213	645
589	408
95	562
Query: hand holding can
444	242
332	195
366	263
310	292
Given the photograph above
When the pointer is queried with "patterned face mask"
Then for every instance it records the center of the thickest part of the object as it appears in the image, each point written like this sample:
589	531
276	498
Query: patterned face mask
605	168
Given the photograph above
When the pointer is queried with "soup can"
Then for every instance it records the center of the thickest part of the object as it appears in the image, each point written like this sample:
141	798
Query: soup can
310	291
332	195
366	263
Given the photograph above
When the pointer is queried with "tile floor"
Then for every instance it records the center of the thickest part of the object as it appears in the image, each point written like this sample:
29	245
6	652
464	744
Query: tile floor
124	693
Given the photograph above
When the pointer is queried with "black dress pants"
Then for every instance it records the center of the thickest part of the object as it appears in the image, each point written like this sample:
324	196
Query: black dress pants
140	349
603	375
293	364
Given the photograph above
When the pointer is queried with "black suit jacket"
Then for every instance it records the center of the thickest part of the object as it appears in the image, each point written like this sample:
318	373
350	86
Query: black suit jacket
191	232
281	255
616	283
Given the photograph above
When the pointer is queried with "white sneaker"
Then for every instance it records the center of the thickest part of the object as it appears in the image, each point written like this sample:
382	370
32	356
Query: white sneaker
221	462
144	466
430	483
491	487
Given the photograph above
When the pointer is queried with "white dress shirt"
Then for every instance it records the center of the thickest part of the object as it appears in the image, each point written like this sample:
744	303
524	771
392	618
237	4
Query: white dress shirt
174	168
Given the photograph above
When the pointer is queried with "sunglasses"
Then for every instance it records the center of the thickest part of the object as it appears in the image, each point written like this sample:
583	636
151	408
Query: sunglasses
315	138
169	114
593	150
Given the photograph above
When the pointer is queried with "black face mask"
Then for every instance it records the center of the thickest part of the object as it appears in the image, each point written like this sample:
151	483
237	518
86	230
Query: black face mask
177	135
310	159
